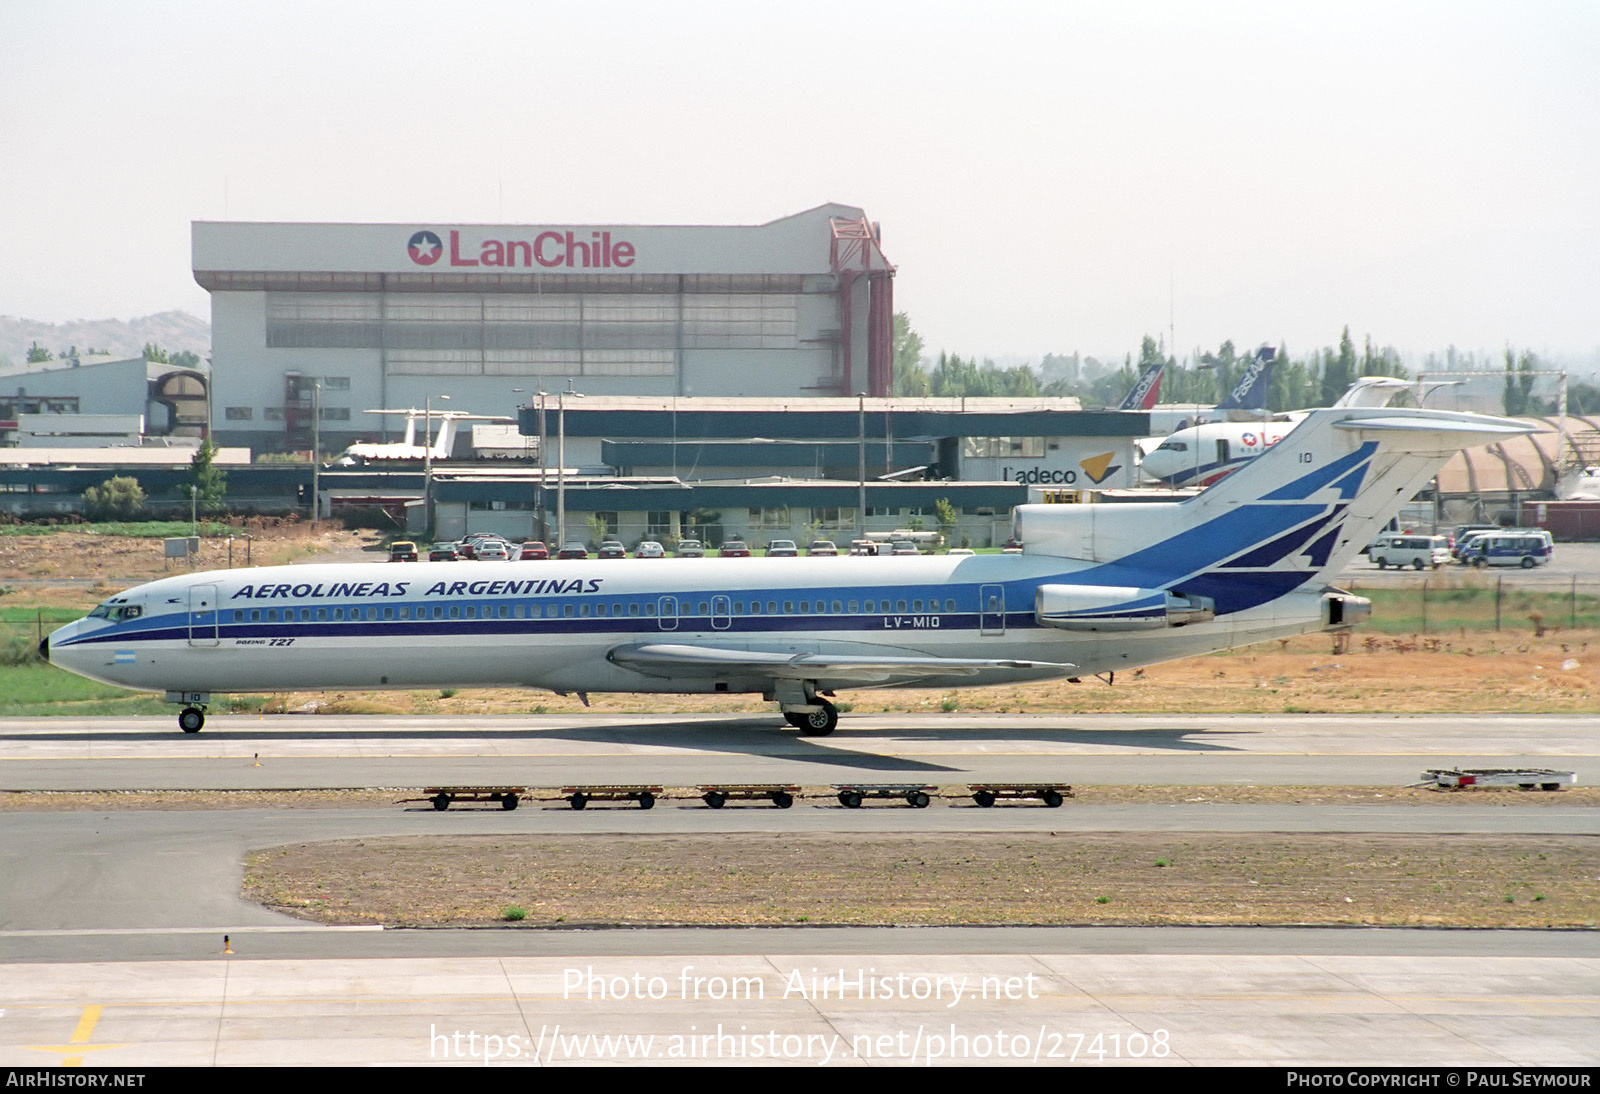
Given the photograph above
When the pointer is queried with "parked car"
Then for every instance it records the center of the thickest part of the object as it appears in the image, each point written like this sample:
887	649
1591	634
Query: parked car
443	552
1402	550
469	546
1525	547
904	547
782	548
611	549
690	548
735	548
493	550
650	549
402	550
573	550
534	549
823	547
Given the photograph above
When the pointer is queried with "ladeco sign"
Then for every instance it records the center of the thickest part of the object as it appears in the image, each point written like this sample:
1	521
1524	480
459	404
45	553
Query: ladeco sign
547	249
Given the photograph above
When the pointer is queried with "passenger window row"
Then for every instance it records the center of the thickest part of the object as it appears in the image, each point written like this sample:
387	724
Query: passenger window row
581	610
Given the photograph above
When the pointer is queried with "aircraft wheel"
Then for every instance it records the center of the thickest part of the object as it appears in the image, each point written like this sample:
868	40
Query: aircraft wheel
819	723
191	719
795	719
441	802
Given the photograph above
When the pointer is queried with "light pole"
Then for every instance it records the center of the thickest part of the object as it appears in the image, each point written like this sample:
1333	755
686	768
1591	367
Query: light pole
561	458
316	445
427	460
861	465
544	459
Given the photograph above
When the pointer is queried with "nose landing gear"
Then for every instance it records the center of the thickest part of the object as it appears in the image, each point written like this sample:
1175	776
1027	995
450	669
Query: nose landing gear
192	719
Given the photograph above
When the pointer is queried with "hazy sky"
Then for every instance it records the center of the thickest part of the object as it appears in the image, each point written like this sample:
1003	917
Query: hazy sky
1050	177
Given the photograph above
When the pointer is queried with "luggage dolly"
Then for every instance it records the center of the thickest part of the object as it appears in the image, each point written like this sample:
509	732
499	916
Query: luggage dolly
442	796
915	794
580	796
1525	778
717	796
1052	794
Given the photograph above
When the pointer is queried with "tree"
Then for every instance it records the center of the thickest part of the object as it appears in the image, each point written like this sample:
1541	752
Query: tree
1339	372
910	378
117	498
947	515
153	352
37	353
1519	382
206	479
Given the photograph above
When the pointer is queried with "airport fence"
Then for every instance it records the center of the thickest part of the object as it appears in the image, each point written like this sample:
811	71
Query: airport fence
1436	604
22	629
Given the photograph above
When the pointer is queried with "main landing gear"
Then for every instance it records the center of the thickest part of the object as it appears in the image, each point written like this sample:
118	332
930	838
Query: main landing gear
192	719
814	723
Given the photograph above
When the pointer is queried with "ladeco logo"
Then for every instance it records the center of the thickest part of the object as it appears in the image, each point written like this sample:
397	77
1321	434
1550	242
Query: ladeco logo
425	248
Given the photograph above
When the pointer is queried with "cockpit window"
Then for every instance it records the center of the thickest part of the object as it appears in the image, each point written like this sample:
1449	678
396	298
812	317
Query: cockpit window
1173	446
131	611
101	612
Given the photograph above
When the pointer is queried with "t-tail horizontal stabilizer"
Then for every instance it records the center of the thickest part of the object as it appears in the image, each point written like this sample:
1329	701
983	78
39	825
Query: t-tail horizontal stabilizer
1299	512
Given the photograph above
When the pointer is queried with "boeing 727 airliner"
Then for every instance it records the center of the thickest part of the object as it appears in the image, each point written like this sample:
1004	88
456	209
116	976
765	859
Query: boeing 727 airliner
1097	588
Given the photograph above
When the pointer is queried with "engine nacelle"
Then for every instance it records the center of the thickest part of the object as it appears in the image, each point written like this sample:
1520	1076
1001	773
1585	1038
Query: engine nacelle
1117	608
1344	609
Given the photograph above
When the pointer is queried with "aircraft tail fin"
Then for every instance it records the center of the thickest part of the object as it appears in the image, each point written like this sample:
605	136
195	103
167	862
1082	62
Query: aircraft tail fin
1250	393
1146	389
1299	512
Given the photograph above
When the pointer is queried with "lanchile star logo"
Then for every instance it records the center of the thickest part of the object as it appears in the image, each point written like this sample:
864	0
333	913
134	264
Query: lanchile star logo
425	248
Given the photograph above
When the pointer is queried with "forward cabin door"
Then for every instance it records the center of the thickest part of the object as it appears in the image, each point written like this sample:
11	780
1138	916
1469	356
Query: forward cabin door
202	615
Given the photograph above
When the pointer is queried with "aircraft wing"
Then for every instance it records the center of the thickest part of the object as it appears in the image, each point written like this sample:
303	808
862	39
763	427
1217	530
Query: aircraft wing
675	659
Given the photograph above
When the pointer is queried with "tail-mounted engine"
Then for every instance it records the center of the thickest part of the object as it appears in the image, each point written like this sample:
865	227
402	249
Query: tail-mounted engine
1117	608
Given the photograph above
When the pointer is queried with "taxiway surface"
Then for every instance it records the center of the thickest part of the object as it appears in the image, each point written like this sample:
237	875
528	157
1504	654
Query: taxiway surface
111	923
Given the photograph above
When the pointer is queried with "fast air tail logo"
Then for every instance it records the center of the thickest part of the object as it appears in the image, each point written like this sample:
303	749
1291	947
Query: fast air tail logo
425	248
1100	468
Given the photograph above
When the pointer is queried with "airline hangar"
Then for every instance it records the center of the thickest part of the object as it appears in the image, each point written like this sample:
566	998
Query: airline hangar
395	315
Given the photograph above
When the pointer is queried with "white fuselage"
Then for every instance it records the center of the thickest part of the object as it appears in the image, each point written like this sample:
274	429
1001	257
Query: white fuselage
552	624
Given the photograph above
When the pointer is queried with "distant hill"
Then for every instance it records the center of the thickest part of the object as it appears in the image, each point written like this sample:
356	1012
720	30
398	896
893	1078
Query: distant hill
171	330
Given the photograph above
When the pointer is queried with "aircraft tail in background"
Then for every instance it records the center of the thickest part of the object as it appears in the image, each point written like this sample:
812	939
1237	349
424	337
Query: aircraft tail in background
1146	389
1250	393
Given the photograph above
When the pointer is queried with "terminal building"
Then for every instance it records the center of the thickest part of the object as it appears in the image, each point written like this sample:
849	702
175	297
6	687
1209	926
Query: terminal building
338	319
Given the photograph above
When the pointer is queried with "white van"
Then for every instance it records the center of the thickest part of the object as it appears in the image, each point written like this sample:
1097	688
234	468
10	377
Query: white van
1402	549
1525	547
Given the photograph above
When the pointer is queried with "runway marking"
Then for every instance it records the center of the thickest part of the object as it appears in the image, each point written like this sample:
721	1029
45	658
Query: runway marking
80	1040
92	931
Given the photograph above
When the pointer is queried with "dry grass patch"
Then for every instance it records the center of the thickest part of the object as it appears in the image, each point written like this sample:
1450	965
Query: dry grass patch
1081	878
